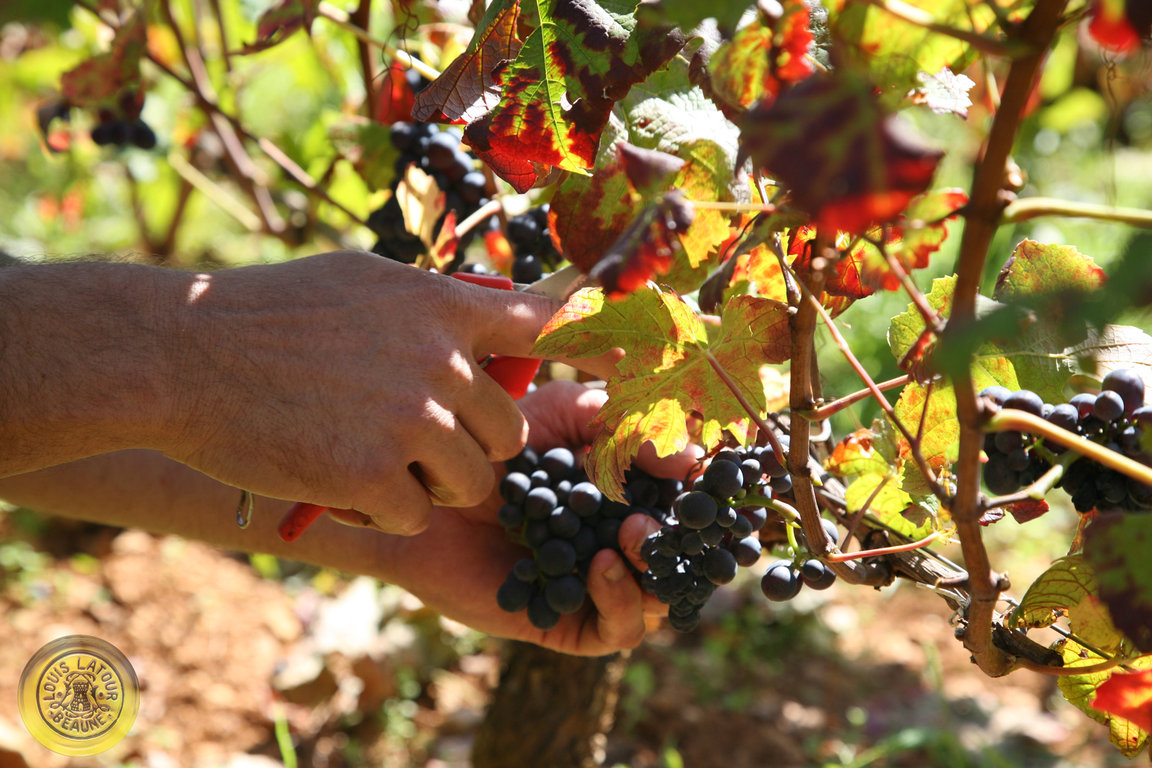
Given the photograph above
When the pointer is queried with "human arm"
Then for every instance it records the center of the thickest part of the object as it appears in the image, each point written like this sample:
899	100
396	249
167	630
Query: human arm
455	566
342	379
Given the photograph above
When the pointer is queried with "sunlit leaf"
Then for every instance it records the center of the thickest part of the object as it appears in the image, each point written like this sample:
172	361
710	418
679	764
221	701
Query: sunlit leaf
761	56
944	92
468	88
1080	691
1069	588
555	97
670	370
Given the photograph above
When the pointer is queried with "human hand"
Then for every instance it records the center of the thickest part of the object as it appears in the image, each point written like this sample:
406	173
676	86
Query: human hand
350	381
459	563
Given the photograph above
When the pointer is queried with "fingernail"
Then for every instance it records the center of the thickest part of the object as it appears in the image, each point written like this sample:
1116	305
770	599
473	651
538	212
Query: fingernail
615	572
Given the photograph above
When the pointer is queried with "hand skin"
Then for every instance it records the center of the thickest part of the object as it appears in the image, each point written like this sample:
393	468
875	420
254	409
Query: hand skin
455	566
343	379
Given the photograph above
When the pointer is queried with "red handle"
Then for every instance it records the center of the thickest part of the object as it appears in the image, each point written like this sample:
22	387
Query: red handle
513	374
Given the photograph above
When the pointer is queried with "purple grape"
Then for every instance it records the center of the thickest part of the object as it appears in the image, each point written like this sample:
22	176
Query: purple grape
1025	400
1128	384
781	582
1108	406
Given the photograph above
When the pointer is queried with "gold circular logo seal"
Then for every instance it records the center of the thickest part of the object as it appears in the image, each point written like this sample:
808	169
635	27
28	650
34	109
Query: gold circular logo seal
78	695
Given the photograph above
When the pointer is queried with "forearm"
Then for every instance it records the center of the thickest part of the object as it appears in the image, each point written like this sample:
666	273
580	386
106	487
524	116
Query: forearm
84	365
145	490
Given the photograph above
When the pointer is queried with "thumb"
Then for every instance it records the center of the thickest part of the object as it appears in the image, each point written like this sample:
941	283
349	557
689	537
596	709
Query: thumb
508	323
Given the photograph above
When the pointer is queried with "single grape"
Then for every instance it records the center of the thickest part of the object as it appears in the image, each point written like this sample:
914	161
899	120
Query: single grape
1083	403
556	557
514	487
586	542
719	566
996	393
525	569
1025	400
1066	416
1000	478
564	523
781	582
696	509
523	231
769	463
442	150
540	502
527	268
402	136
1108	406
510	515
1008	441
747	550
1128	384
757	516
781	485
726	516
565	594
752	471
816	574
1017	460
514	594
723	479
692	543
558	462
585	499
542	615
712	535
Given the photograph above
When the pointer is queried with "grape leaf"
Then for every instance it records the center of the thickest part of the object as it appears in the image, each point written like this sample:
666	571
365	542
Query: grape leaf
1116	346
664	115
1068	587
1055	282
279	22
761	56
906	333
871	458
556	95
111	80
896	51
1119	548
845	160
687	14
670	370
1080	690
36	11
467	88
1127	695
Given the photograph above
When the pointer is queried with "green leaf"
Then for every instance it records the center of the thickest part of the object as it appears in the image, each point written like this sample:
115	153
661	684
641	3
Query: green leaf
895	51
555	97
687	14
36	11
1055	282
763	55
1068	587
906	340
670	370
1119	548
1080	690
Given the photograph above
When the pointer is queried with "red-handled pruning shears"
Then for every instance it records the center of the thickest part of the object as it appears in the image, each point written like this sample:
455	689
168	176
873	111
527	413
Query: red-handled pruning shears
513	374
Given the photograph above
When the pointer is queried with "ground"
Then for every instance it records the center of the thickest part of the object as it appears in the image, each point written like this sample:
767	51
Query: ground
253	664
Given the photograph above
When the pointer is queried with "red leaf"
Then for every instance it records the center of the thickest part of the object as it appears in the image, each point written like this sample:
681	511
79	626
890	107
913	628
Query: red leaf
844	160
395	100
761	56
645	248
1024	511
1110	26
1127	695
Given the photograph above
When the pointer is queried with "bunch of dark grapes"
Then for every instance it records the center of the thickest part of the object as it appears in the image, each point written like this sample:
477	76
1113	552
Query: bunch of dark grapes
439	153
119	133
712	533
1114	418
564	520
533	252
